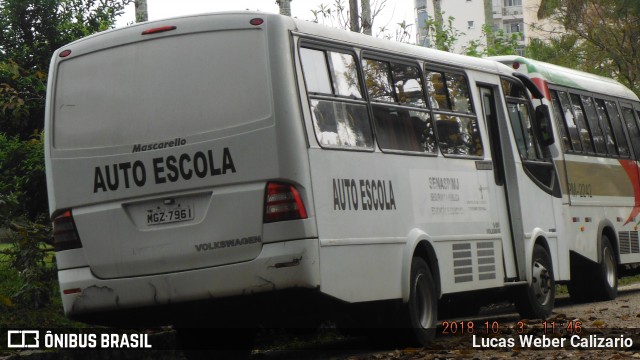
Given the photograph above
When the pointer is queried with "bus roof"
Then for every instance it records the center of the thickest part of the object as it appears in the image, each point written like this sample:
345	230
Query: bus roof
203	22
562	76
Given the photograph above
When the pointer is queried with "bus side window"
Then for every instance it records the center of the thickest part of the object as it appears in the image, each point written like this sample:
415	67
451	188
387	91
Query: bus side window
570	121
458	135
632	129
402	121
437	90
562	126
612	147
583	129
458	93
456	125
618	128
521	124
338	110
597	132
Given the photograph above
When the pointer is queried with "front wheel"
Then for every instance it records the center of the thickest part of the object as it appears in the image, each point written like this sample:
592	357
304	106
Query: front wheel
422	309
537	298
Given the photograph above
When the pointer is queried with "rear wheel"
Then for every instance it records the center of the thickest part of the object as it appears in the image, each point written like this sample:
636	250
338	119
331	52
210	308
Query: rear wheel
536	299
607	272
595	282
422	309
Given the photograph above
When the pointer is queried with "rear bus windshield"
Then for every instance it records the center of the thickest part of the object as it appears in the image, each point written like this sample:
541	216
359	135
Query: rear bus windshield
165	88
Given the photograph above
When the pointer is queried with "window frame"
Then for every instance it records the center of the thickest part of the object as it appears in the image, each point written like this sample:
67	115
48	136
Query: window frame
610	126
444	70
635	149
367	54
543	155
327	47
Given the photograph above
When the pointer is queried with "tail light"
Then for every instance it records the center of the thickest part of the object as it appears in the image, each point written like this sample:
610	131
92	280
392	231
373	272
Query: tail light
65	234
283	202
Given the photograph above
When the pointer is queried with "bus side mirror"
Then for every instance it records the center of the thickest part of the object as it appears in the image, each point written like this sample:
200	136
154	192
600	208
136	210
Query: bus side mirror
543	122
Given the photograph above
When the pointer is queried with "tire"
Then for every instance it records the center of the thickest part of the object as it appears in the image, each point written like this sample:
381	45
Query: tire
422	308
607	272
595	281
536	300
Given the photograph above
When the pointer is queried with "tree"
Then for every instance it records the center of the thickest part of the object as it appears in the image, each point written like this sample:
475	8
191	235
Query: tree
30	31
345	17
442	36
285	7
606	30
498	43
141	10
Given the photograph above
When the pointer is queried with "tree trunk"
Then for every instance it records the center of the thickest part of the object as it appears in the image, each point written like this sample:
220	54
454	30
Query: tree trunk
366	16
141	10
354	21
285	7
437	14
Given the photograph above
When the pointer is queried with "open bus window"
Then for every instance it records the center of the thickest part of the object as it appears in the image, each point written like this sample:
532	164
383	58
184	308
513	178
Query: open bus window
401	119
339	113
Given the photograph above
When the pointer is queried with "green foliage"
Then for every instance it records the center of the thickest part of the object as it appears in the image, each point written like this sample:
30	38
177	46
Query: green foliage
28	256
22	179
603	35
498	43
564	51
442	35
23	211
30	31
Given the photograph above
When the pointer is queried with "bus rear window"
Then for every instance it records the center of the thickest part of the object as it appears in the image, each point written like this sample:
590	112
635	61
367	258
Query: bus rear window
161	89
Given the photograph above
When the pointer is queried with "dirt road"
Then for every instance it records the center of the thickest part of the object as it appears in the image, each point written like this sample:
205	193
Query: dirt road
602	330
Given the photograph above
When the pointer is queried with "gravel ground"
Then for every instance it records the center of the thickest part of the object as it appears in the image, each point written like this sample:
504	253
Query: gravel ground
617	319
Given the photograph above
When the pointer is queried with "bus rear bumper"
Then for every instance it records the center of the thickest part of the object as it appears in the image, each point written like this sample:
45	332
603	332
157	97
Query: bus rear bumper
284	265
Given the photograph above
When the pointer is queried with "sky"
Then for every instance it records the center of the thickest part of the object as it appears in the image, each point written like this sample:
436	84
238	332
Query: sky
394	11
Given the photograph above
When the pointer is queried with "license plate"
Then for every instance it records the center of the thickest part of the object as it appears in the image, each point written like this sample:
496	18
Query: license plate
165	214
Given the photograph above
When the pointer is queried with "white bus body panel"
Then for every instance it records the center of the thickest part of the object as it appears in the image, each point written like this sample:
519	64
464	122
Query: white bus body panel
137	124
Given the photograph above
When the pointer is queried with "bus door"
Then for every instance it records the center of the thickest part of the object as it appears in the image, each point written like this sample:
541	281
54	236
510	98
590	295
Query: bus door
498	153
530	177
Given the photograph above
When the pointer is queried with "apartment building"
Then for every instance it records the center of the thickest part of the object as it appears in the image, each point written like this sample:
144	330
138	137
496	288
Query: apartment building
512	16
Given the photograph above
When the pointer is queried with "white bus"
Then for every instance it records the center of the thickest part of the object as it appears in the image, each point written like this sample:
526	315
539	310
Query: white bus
597	120
214	162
